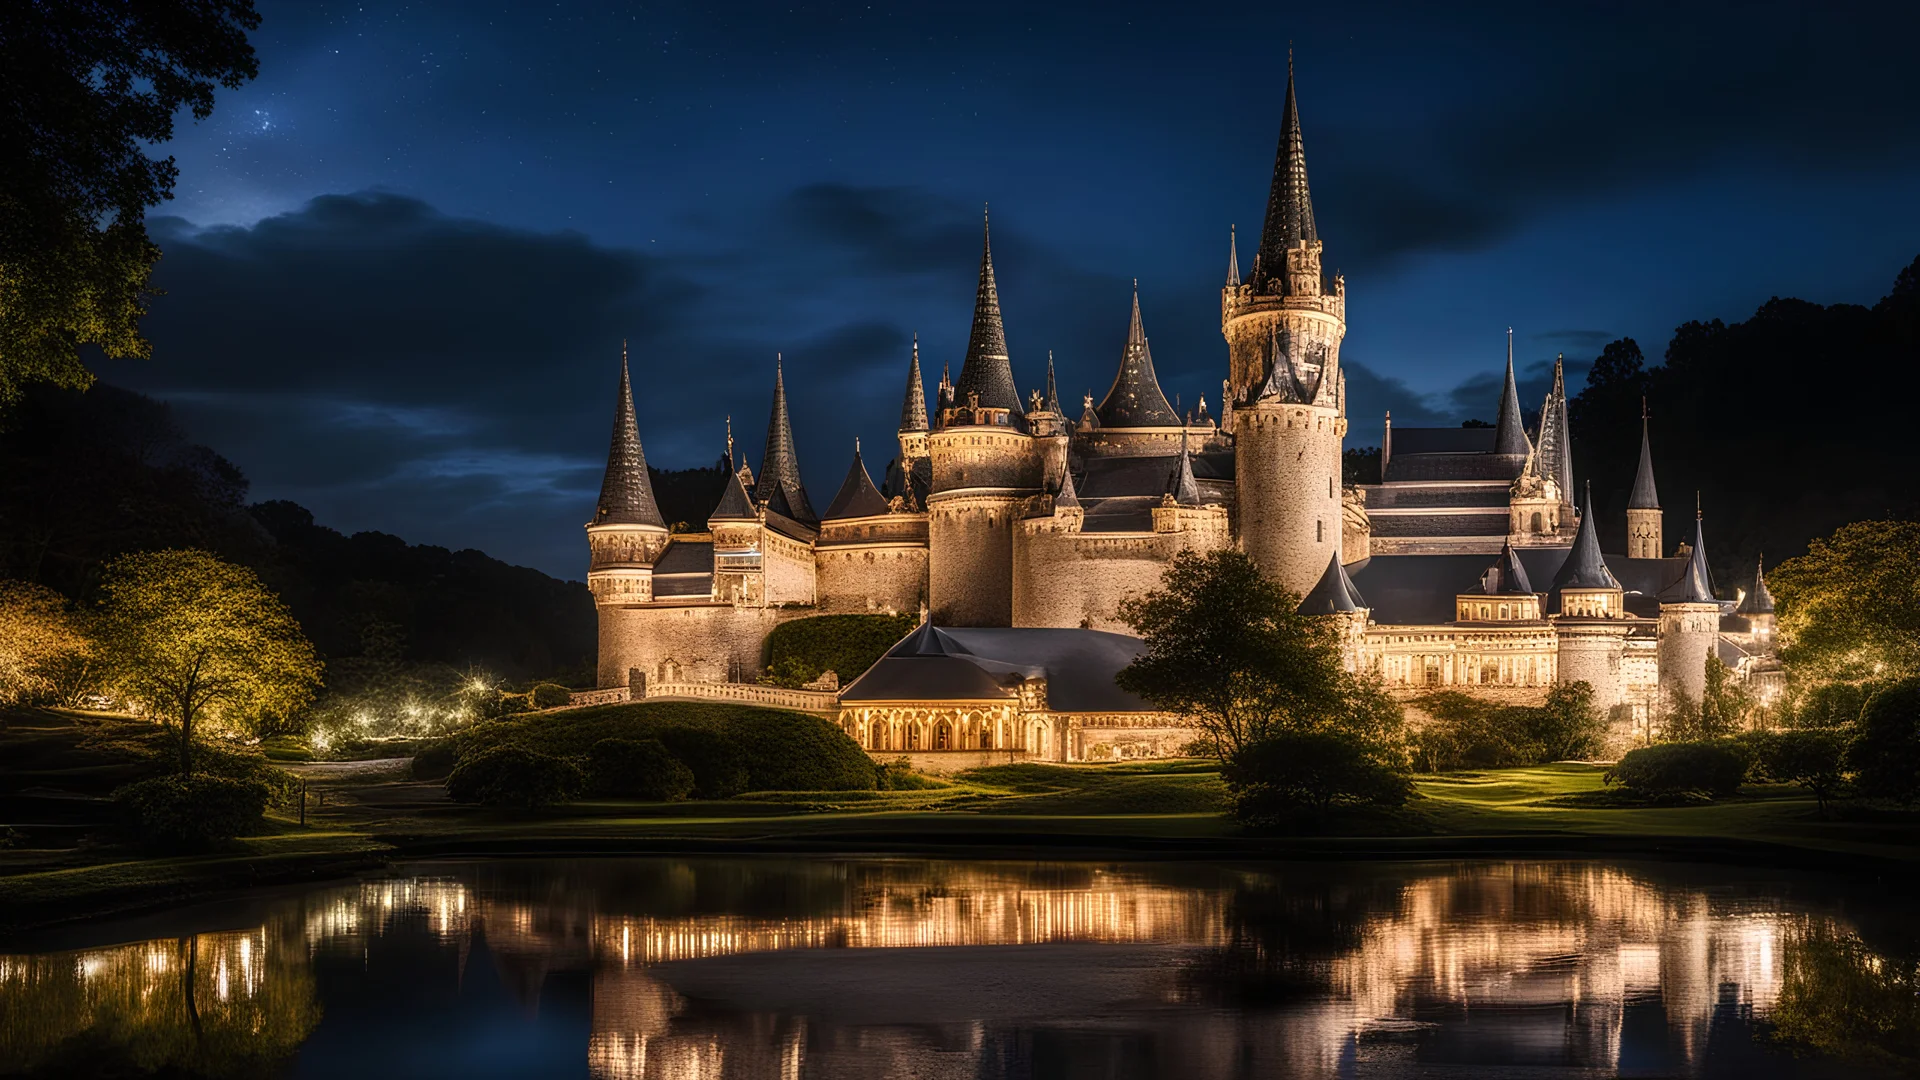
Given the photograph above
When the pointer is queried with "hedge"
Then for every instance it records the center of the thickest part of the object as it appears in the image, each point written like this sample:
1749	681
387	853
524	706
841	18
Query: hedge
1713	769
846	645
639	769
187	812
514	776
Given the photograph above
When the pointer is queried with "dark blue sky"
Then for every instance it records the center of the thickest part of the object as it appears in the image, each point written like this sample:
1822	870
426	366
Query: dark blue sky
400	264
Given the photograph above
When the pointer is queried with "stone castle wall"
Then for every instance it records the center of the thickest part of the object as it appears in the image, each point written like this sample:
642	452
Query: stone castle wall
1643	534
970	561
861	578
1687	635
1591	652
686	643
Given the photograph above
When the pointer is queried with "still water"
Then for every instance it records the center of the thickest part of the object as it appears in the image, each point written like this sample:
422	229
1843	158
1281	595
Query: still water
688	968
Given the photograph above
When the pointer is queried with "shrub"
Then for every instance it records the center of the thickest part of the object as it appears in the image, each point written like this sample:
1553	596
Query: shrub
187	812
1814	758
435	760
637	768
1465	732
1567	726
1293	775
898	775
718	765
548	695
1886	751
847	645
1714	769
511	776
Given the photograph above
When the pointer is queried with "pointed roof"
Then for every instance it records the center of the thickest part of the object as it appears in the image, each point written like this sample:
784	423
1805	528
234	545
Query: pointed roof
1645	496
1289	204
1283	382
913	410
1506	577
1136	399
626	493
735	504
858	497
1233	258
1180	483
1759	601
1509	436
987	370
1053	390
1066	497
1585	567
780	465
1556	449
929	640
1334	593
1696	584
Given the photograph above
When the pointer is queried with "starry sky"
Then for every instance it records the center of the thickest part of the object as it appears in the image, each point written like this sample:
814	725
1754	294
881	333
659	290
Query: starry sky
400	264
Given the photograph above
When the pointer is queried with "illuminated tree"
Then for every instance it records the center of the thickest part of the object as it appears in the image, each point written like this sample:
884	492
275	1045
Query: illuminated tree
39	639
1849	609
84	87
193	640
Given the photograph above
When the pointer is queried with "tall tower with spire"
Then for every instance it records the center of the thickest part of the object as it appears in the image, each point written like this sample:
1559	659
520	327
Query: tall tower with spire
627	534
1643	505
1689	627
985	462
780	488
1283	326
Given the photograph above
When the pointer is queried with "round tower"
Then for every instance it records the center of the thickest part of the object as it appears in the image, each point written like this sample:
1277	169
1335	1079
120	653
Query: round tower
627	535
1283	328
1689	627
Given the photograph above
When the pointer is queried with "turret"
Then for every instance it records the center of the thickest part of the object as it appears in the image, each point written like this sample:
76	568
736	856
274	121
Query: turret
1334	596
1135	399
1590	626
1510	436
1643	505
780	488
1283	328
1503	593
913	411
1757	605
627	534
1585	586
1689	627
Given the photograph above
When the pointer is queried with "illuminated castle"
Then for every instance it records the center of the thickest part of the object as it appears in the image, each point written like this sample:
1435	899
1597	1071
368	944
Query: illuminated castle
1473	563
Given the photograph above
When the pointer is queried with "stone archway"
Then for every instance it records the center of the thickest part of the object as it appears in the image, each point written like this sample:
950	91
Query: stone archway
943	736
877	735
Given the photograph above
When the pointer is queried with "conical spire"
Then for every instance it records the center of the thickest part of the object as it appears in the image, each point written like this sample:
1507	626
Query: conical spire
1334	593
858	497
913	411
1758	601
987	371
1585	567
1283	382
1180	483
626	493
1507	576
1644	496
1556	450
1136	400
1066	496
1233	258
735	504
1289	204
1053	390
780	465
1509	436
1696	584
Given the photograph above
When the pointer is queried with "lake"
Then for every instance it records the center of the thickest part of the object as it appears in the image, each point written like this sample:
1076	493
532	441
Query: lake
648	968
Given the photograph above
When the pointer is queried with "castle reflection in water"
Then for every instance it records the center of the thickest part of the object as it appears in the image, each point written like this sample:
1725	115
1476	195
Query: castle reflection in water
1307	971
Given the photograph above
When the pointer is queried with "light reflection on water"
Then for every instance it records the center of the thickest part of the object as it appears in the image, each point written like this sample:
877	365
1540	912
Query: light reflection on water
660	968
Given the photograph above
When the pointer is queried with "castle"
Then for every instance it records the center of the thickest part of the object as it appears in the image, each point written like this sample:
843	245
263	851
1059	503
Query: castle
1469	565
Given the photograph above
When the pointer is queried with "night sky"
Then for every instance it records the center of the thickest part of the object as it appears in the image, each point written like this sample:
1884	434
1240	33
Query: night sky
400	264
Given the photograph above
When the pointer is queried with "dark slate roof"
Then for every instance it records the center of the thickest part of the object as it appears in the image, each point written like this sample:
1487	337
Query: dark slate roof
1136	399
1289	203
684	569
1455	467
1123	513
1585	567
1758	601
626	494
1509	436
1645	496
1443	440
1180	483
858	497
912	485
1283	378
987	369
986	664
1148	475
1396	497
1066	496
780	465
1333	594
735	503
1696	583
1419	590
1482	523
1507	576
913	410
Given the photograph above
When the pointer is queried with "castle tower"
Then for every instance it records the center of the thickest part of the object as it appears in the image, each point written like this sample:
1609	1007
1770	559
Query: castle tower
1334	596
1283	329
984	464
1643	505
913	412
1590	624
780	488
870	556
627	534
1757	606
1689	626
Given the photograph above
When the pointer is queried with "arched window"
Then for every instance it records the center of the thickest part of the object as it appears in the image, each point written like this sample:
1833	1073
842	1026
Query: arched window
986	737
1536	522
879	737
943	736
913	736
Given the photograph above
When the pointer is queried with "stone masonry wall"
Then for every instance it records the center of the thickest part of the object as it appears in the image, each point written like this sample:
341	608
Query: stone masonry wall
1287	481
690	643
862	578
970	559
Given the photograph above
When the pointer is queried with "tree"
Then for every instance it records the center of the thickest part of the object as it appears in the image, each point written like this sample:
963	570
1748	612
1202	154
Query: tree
1885	755
193	639
84	85
1814	758
1227	647
1849	608
39	640
1567	726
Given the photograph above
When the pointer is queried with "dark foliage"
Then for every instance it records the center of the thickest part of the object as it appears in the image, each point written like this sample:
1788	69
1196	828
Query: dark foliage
719	766
514	776
1289	776
1360	466
1713	769
436	759
1885	755
548	695
190	812
1814	758
1468	733
1717	400
687	496
898	775
847	645
637	769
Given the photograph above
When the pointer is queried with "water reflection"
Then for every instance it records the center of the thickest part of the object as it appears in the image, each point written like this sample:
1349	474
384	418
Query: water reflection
643	969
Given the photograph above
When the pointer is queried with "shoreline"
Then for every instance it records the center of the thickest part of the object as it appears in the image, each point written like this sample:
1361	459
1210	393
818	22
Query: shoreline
235	876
